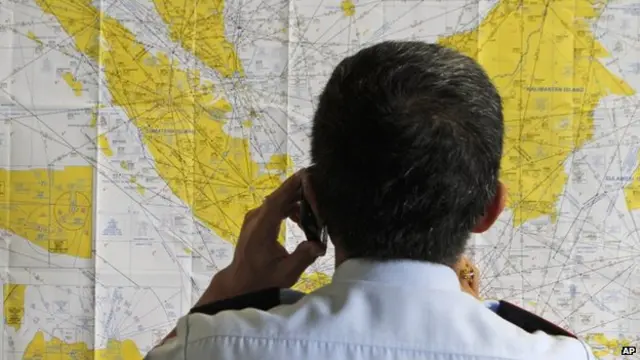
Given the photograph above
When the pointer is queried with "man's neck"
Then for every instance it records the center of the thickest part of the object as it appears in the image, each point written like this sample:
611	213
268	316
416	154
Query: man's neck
341	256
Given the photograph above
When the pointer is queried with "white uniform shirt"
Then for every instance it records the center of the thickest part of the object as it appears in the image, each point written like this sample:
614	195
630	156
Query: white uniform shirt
399	310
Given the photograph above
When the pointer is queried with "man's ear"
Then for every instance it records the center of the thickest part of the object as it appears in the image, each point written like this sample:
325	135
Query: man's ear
493	210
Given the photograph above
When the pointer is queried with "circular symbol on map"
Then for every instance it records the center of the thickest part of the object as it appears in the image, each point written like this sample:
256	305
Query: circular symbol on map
72	210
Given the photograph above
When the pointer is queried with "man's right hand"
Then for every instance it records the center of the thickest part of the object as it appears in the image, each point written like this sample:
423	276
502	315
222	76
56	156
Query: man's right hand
259	261
469	277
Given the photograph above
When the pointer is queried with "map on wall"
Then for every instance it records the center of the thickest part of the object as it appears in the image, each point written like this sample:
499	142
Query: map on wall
135	134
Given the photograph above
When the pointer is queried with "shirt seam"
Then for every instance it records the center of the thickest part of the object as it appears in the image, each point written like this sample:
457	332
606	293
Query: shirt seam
344	344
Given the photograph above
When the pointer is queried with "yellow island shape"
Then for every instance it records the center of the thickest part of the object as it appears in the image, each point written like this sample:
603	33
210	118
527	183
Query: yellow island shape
13	309
55	349
603	346
348	8
74	84
543	58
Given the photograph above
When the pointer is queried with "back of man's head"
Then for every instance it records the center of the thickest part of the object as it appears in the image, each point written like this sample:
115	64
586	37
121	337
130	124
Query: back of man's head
406	142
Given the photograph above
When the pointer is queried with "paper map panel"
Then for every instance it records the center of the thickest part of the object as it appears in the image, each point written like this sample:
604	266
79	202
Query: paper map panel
135	134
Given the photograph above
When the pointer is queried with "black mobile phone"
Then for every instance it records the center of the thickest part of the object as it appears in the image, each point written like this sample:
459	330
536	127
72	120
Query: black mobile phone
309	223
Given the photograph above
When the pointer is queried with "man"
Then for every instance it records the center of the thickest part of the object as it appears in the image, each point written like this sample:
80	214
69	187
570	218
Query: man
406	145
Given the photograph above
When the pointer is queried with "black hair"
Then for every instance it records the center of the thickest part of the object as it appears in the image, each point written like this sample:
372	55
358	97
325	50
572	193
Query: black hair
406	142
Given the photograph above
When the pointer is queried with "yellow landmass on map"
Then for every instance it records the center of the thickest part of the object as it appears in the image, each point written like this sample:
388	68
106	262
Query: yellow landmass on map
180	118
94	116
199	27
311	282
632	190
55	349
13	295
348	8
104	146
603	346
134	180
74	84
543	58
50	208
32	36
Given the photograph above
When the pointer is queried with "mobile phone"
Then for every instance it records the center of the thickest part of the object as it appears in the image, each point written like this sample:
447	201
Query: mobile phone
309	223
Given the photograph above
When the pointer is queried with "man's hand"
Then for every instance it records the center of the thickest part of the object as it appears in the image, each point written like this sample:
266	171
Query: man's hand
259	261
469	277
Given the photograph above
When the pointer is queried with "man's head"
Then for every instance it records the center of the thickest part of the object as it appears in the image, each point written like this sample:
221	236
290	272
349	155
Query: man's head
406	142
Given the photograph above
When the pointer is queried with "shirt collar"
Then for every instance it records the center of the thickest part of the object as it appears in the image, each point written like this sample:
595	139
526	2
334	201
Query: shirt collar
398	272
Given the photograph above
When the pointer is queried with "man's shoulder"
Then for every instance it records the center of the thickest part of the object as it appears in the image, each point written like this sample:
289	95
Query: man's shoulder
528	333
